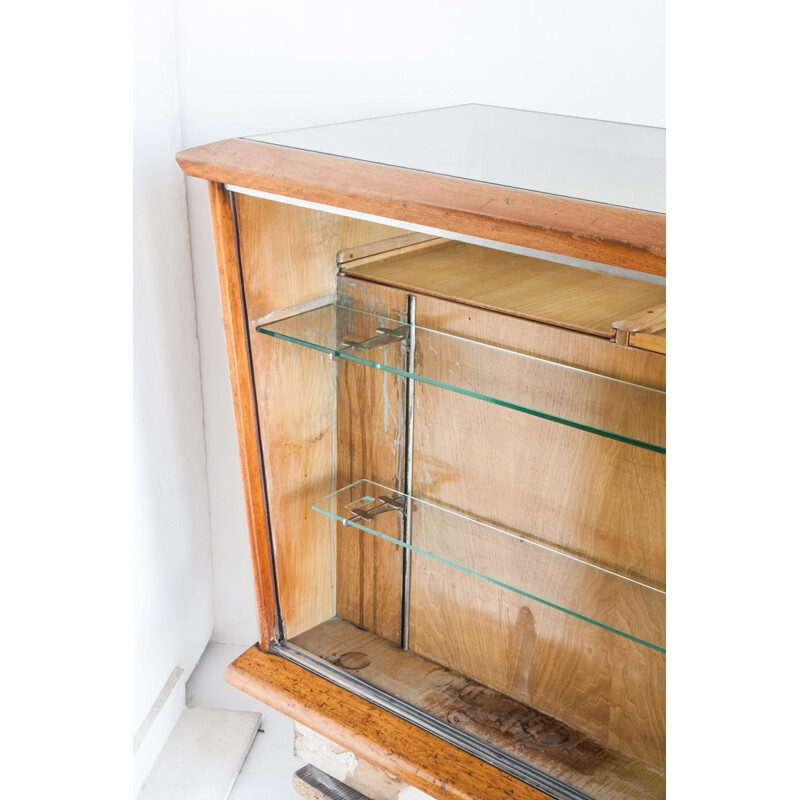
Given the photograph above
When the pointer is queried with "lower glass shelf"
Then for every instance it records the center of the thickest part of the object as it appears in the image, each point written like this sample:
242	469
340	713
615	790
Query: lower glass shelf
607	599
560	393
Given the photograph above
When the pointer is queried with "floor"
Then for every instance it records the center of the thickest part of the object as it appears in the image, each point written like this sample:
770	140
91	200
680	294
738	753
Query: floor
268	768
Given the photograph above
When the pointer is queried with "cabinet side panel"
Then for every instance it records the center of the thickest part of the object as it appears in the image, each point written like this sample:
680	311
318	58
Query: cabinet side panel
288	257
244	406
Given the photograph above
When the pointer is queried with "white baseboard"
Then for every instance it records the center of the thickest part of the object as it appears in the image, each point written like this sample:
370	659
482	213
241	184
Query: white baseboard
157	726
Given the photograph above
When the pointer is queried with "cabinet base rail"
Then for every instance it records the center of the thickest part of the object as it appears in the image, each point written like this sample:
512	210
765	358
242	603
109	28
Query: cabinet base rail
533	777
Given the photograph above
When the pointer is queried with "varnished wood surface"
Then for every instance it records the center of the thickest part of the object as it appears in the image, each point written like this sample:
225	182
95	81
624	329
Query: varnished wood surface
533	288
399	747
608	234
525	733
244	407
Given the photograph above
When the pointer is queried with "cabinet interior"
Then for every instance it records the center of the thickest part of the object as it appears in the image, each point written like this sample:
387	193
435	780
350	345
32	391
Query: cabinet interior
467	512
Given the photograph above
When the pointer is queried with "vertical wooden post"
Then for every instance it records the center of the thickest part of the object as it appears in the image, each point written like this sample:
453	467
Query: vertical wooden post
244	406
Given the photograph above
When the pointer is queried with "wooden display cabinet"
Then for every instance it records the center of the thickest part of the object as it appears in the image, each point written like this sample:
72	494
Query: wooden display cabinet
449	398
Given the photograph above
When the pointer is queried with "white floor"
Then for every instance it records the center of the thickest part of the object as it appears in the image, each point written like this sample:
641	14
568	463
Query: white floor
268	768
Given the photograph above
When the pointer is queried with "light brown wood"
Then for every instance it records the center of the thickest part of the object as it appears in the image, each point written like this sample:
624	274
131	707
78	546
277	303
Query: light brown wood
401	748
288	264
370	428
614	235
544	291
409	242
599	500
647	321
244	407
647	329
528	735
324	424
655	342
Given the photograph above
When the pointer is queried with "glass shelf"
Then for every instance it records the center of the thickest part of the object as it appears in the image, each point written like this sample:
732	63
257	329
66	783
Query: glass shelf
622	411
554	578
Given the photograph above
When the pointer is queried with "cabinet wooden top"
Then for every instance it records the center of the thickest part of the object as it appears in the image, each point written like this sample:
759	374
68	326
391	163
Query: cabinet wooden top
609	234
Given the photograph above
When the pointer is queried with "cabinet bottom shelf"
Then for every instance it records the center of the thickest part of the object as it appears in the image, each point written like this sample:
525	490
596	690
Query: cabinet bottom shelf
508	726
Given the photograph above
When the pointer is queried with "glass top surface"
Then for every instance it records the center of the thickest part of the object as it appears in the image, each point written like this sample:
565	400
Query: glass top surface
604	162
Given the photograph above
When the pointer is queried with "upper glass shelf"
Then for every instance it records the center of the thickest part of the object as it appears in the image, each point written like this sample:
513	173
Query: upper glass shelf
536	570
603	162
560	393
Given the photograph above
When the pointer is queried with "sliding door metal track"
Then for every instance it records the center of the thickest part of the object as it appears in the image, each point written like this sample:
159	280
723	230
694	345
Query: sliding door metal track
408	712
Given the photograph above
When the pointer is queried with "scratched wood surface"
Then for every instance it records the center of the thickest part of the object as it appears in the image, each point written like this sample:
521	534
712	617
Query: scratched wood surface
561	750
403	749
288	258
608	234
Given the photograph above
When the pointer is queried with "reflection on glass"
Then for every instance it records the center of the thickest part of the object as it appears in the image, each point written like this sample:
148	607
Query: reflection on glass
552	577
604	162
566	395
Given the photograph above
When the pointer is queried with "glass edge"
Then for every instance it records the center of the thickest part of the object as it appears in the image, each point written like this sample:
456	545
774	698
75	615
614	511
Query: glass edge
474	342
352	524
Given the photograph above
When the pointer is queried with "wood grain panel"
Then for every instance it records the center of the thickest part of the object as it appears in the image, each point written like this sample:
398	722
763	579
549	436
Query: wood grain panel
370	443
594	498
288	257
588	496
401	748
532	288
375	251
289	254
655	342
614	235
522	732
244	407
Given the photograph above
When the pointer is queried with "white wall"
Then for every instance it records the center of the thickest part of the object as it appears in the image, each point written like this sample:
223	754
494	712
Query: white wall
247	67
171	550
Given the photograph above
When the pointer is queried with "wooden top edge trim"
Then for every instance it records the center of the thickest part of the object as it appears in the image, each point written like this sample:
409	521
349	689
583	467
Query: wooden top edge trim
425	761
592	231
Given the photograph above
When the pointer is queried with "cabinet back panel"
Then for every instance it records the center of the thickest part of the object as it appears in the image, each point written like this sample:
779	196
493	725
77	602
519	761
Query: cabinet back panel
592	497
